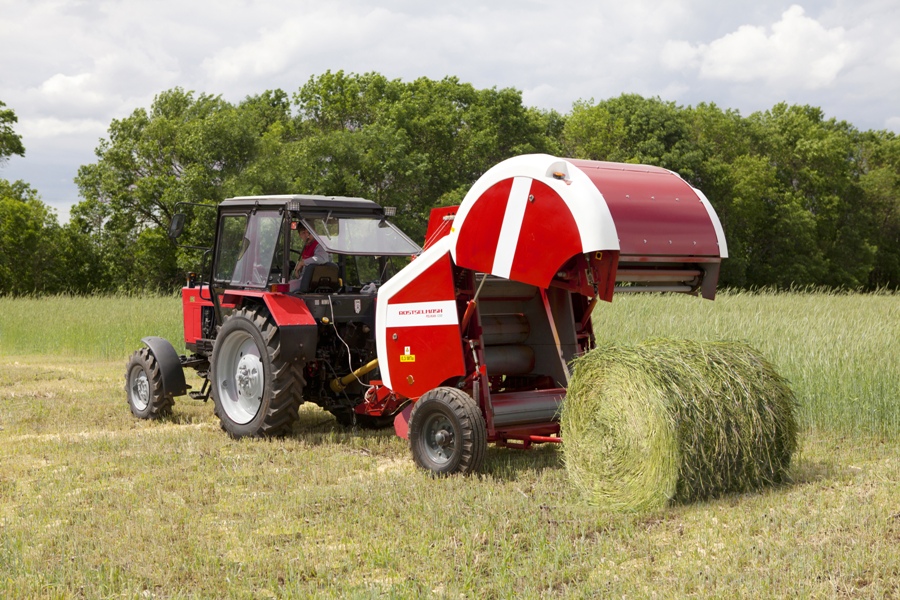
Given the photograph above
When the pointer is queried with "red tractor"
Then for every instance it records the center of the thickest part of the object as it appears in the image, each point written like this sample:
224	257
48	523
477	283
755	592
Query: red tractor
467	344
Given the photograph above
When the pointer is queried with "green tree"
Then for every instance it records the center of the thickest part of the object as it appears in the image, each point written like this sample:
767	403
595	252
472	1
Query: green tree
411	145
817	162
632	129
26	248
10	141
803	199
183	150
880	179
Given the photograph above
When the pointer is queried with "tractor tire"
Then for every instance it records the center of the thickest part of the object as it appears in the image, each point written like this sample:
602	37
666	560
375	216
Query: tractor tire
253	382
447	433
144	388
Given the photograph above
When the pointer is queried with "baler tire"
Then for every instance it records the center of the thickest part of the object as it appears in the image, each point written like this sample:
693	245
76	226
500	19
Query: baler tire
144	387
447	433
253	382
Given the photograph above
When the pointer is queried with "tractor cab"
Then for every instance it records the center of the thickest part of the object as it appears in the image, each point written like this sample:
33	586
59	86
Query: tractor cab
258	245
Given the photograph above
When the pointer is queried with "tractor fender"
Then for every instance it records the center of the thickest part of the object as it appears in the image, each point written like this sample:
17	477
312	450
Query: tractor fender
170	369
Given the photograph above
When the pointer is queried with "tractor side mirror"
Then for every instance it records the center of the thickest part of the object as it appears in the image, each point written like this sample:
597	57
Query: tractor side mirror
176	226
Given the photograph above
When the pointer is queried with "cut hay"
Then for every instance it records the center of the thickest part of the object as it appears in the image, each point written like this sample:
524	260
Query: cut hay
675	421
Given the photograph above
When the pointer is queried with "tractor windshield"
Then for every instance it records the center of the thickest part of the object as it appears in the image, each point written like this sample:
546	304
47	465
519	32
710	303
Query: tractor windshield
361	236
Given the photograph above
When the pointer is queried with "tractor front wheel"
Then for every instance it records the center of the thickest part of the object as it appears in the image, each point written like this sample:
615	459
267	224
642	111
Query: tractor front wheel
253	384
144	388
447	433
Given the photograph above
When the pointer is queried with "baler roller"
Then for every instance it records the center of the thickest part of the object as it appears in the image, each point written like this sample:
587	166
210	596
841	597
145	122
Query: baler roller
649	275
511	359
522	408
498	330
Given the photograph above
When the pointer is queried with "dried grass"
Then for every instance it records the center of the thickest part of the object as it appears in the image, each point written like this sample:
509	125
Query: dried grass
676	421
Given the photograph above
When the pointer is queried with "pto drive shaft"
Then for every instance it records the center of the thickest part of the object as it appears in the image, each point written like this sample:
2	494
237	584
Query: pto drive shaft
339	385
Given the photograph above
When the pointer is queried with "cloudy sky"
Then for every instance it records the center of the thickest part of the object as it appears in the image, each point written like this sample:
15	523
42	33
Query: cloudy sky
68	67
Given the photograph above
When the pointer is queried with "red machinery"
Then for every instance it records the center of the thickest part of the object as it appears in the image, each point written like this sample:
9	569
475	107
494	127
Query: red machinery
481	327
473	338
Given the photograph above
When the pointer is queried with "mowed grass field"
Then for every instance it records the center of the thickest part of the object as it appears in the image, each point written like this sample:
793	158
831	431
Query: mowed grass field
97	504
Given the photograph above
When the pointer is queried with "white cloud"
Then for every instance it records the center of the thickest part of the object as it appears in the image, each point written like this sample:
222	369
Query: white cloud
797	52
52	127
680	55
71	66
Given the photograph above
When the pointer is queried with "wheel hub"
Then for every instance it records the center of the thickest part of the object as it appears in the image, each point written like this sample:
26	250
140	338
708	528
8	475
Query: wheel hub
140	390
248	377
240	377
442	438
439	439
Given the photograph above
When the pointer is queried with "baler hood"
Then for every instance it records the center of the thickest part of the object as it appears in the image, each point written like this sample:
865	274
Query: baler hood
528	215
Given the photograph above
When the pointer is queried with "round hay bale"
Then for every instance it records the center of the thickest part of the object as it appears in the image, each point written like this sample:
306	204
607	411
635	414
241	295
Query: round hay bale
675	421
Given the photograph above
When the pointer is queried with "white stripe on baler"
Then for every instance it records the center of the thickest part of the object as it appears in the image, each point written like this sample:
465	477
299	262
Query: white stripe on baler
512	226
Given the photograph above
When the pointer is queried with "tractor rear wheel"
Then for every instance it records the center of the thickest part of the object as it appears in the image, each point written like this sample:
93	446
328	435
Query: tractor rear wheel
253	383
447	433
143	386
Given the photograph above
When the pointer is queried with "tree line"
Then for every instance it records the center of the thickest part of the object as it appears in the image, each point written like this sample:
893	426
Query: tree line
804	200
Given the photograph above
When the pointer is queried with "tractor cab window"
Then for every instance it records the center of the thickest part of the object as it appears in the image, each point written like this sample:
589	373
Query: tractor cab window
361	235
246	246
361	270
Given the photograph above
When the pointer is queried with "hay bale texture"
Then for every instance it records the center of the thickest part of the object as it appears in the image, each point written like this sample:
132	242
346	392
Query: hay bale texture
675	421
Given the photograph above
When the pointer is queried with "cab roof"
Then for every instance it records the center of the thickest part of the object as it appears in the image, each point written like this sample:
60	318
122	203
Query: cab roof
301	202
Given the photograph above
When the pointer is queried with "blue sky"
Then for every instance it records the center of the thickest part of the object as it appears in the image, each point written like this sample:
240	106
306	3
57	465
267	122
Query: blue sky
68	67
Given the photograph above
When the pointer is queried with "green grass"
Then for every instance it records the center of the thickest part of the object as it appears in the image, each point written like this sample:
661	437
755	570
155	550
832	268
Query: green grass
839	351
104	327
96	504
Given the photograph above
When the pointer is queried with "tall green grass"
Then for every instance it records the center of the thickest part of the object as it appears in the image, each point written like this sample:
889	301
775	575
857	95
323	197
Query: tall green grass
839	350
99	327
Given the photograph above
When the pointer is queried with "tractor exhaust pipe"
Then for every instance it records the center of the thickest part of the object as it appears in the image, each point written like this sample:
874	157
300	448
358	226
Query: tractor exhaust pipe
339	385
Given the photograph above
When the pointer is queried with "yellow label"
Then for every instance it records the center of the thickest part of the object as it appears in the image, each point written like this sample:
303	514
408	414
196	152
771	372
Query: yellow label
407	358
191	298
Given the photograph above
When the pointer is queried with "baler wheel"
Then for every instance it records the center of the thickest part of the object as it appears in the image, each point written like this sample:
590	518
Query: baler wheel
253	383
447	433
143	386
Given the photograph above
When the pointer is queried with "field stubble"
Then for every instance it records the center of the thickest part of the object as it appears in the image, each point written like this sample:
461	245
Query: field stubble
94	503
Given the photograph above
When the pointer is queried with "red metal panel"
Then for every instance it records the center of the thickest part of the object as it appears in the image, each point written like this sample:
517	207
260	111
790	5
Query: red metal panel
549	237
422	355
434	283
285	309
192	304
477	241
288	310
655	211
440	221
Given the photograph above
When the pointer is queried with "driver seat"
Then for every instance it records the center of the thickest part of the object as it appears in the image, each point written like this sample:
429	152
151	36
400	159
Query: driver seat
317	279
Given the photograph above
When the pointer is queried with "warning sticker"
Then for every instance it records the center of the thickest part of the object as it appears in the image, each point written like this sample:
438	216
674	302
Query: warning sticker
407	358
